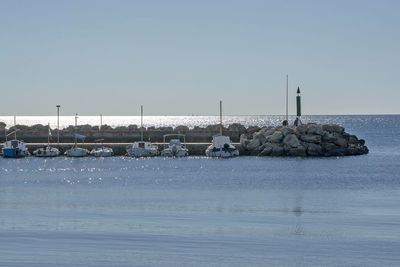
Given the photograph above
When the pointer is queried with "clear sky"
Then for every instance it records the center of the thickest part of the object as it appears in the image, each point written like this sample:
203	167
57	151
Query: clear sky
182	57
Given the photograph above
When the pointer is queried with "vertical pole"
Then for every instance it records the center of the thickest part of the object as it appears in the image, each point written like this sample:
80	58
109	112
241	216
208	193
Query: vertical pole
220	117
15	127
141	122
101	122
48	135
287	98
76	125
58	125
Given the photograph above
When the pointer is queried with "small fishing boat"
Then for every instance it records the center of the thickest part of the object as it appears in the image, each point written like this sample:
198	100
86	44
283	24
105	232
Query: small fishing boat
47	151
76	151
175	148
14	148
221	146
100	150
142	148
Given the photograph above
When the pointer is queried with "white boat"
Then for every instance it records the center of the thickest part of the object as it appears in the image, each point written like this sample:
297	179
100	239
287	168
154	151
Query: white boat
14	148
175	148
142	148
47	151
76	151
221	146
101	151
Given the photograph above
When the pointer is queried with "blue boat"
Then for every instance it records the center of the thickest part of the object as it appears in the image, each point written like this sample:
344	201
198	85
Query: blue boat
14	148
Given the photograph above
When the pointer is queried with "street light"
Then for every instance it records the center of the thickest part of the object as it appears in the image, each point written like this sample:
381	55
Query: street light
58	124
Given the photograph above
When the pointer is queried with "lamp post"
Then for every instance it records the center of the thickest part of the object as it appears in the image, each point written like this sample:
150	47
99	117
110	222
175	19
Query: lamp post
58	125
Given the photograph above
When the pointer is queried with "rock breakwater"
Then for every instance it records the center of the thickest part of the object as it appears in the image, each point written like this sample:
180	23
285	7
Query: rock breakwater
314	140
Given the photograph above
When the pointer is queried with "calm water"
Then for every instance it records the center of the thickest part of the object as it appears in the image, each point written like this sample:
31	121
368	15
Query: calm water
245	211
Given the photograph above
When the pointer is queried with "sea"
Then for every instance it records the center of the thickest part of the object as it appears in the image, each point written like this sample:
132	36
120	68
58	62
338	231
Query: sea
197	211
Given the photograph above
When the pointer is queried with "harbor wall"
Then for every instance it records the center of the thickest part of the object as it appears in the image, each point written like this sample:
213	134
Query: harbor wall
38	133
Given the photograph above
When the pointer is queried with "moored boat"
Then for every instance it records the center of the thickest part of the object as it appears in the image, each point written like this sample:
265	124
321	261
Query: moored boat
221	146
47	151
14	148
142	148
101	151
175	148
76	151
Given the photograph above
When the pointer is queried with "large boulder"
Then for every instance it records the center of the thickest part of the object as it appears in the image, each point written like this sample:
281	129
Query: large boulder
301	129
254	144
314	150
275	138
291	141
267	149
329	137
314	129
309	138
353	139
277	150
287	130
260	137
333	128
341	142
299	151
330	149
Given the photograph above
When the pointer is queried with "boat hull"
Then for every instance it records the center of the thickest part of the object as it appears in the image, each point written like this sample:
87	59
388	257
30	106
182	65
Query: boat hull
46	152
222	152
102	152
174	153
14	153
141	152
77	152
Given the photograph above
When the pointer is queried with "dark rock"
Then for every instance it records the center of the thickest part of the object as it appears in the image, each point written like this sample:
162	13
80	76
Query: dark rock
333	128
299	151
314	129
275	138
301	129
309	138
291	141
314	150
287	130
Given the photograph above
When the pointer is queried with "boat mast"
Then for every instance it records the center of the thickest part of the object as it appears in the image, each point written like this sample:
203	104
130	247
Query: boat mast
48	135
76	126
141	123
220	117
15	127
101	122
